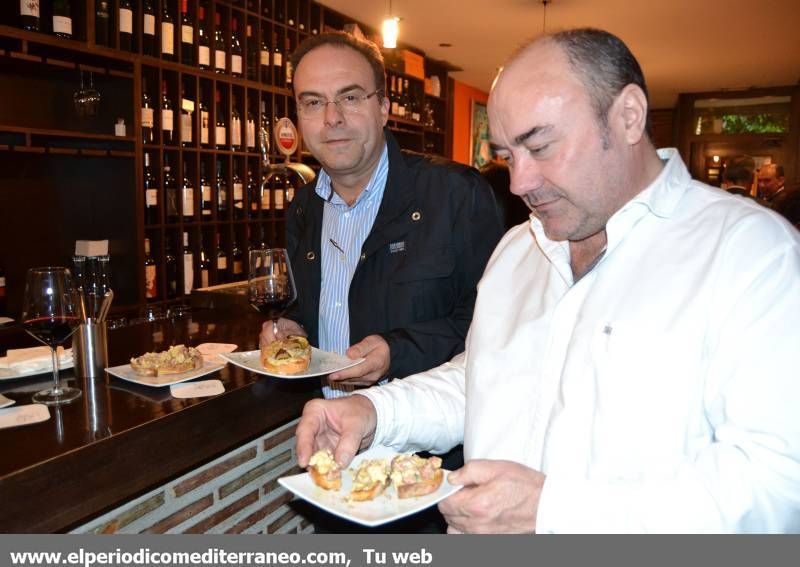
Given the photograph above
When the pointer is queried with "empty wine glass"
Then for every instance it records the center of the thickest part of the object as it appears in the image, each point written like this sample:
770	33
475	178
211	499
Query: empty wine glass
50	316
87	100
270	284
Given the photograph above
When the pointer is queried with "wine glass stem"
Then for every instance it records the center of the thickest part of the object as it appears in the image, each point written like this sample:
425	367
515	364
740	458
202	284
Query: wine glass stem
56	382
275	328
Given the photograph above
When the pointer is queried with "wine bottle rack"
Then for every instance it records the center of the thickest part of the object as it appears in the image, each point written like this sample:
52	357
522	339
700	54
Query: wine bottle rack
41	65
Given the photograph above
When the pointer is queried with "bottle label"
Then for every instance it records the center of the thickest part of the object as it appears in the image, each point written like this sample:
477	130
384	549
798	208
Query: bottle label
150	281
167	120
222	263
279	199
264	57
290	193
238	267
204	127
265	200
204	277
187	34
147	118
2	284
219	59
188	273
186	128
151	197
204	56
172	202
236	132
149	24
206	190
188	201
236	64
62	24
277	59
221	136
251	134
289	72
29	8
238	194
125	20
167	32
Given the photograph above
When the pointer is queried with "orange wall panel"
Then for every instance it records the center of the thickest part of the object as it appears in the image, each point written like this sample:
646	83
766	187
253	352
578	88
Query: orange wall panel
463	95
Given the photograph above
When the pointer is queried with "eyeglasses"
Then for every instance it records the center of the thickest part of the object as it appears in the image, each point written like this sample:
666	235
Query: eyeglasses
349	103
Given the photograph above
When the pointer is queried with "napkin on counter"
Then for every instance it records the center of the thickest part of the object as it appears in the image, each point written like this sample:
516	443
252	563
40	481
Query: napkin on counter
210	351
32	359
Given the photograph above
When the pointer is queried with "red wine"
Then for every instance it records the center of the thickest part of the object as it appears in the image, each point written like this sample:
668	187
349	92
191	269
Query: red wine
51	330
271	306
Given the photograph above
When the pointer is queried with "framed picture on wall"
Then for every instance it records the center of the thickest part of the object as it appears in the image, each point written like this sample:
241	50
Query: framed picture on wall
479	135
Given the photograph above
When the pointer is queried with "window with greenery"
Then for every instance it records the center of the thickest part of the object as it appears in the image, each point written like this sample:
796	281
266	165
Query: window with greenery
757	115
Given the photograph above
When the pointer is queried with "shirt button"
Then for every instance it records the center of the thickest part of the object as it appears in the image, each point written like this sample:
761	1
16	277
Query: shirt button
347	215
338	304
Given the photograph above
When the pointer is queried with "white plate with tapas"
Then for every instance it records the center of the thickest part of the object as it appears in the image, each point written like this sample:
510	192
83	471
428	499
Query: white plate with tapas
41	367
322	363
386	507
125	372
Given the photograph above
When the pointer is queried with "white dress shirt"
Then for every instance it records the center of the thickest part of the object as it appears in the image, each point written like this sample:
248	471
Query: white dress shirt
659	393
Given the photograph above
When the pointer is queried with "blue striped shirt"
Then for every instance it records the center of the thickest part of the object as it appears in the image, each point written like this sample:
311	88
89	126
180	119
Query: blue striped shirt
344	230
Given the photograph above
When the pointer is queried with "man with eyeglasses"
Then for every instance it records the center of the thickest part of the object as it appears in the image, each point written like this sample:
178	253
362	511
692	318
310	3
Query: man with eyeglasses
386	246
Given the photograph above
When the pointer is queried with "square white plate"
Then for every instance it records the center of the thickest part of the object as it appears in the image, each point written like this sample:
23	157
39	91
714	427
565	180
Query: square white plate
64	362
384	508
322	362
125	372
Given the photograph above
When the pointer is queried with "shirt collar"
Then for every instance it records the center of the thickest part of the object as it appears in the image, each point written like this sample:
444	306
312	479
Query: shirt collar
324	188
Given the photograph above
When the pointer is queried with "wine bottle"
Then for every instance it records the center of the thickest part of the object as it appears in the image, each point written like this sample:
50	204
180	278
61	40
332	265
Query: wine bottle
222	193
206	202
171	270
401	109
187	112
125	25
222	263
102	18
148	28
288	70
265	197
252	55
394	107
205	266
238	192
220	57
170	191
236	126
277	61
263	60
167	116
204	124
220	124
150	285
187	195
188	265
203	43
29	15
62	19
250	131
150	192
278	184
147	115
167	33
253	198
237	262
236	49
187	35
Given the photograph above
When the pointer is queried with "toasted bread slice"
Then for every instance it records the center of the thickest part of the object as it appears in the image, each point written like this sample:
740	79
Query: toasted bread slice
176	360
369	479
288	356
414	476
324	470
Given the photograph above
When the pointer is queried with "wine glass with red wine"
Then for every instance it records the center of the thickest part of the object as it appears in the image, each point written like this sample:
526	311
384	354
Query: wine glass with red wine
50	316
270	284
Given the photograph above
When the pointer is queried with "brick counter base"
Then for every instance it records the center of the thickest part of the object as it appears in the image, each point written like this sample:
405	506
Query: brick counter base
236	493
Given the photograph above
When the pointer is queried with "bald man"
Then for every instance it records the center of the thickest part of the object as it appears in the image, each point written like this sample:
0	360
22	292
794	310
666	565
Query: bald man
781	199
631	364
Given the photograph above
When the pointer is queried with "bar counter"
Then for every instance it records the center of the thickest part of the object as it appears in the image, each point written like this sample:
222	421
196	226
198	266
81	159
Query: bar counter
121	439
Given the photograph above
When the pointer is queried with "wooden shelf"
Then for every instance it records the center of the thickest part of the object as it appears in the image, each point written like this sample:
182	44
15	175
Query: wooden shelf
56	133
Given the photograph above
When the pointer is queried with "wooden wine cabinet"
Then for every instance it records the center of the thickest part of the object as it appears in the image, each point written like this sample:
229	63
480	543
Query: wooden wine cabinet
67	177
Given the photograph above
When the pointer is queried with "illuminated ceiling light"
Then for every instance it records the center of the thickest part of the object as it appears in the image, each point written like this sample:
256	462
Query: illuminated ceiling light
390	29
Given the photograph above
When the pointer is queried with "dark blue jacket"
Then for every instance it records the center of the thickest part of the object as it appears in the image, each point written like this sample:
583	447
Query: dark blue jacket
415	283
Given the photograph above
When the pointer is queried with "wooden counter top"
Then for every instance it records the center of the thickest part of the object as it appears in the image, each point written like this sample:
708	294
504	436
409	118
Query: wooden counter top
121	439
